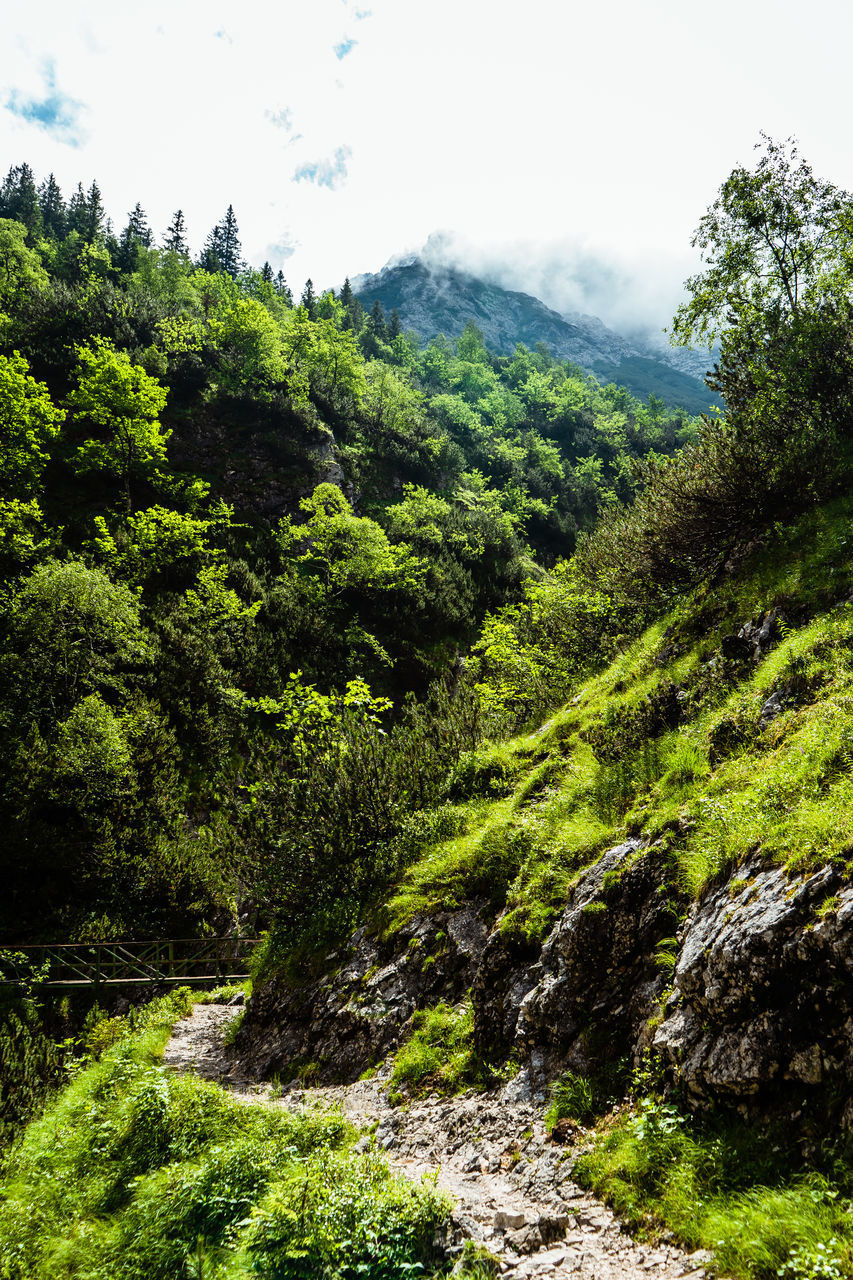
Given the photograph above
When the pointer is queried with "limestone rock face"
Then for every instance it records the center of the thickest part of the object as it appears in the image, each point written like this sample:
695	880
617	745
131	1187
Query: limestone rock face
348	1019
759	1015
595	982
762	1008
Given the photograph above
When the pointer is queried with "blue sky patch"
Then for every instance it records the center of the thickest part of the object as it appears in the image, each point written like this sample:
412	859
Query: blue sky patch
57	112
325	173
345	47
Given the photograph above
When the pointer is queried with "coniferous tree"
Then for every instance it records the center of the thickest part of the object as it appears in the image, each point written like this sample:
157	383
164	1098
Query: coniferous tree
282	288
19	199
76	219
86	213
136	235
395	327
232	261
95	212
139	227
222	251
352	307
176	235
266	273
378	322
309	300
210	258
53	212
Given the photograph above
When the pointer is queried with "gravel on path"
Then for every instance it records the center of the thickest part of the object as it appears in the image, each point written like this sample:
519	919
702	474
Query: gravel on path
512	1187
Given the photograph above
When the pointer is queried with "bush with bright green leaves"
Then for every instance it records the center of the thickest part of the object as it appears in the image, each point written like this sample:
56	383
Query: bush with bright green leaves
138	1172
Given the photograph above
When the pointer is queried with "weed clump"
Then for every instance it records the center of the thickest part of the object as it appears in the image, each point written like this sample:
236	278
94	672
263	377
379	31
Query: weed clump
439	1056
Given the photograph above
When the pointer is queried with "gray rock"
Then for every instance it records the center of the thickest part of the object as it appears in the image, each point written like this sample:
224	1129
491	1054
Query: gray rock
508	1220
347	1020
527	1240
773	707
593	979
762	1009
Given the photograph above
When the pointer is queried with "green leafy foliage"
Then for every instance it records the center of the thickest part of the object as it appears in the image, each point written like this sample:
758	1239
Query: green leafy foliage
29	422
721	1188
139	1171
122	403
776	287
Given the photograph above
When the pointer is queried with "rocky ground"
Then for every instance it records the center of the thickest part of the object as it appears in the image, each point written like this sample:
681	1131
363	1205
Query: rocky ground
512	1186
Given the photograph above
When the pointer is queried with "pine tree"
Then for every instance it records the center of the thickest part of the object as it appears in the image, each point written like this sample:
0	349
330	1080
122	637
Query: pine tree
356	316
136	235
76	220
54	215
222	250
232	261
19	199
266	273
282	288
395	327
95	213
377	321
210	258
176	235
346	295
308	299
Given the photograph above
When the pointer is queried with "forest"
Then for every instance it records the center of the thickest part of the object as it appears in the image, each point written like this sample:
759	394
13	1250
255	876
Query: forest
439	669
247	545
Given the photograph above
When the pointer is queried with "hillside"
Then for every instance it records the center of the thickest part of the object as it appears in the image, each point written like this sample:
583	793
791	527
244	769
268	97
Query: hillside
649	891
431	300
511	712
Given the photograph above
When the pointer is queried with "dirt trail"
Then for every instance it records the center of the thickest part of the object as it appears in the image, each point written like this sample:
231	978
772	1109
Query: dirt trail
513	1189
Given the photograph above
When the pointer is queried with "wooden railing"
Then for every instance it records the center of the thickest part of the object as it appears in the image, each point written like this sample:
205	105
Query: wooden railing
169	961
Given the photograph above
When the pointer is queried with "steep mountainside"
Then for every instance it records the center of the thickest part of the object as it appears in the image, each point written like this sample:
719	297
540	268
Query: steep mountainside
661	867
433	300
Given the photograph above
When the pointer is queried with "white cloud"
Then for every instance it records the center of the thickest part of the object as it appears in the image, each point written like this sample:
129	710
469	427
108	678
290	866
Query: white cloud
575	147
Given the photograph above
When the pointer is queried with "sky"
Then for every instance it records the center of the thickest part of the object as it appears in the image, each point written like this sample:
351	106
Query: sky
566	149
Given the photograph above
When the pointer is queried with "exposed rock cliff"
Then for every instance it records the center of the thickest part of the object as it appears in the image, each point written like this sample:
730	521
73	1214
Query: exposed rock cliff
760	1012
353	1016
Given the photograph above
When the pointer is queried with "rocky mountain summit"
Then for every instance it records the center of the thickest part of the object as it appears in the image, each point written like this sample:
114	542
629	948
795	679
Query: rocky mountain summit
432	299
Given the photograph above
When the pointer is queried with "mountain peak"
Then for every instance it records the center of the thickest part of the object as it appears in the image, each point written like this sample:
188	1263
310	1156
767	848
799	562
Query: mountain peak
433	296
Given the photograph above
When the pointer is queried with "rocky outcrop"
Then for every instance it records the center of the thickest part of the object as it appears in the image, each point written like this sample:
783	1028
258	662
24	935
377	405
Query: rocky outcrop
761	1014
347	1020
585	998
260	459
433	297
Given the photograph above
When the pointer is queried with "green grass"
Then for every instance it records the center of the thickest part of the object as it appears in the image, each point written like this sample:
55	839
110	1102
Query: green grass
531	814
573	1097
225	994
439	1056
138	1172
724	1189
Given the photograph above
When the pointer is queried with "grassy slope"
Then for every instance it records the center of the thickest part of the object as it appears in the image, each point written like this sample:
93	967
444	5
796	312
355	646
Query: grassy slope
666	741
137	1172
